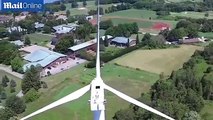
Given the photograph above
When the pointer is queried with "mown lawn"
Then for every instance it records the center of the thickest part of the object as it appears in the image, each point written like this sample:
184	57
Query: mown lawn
127	80
39	39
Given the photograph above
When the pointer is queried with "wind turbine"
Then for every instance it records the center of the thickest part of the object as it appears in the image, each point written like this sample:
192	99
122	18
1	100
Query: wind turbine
97	87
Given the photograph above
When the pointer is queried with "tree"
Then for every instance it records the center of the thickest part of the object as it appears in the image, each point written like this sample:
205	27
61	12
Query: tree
192	115
65	42
47	29
31	79
15	35
124	115
12	83
145	39
62	7
106	24
3	95
6	114
16	104
128	43
137	39
3	32
31	95
5	80
74	4
17	64
84	3
27	40
68	13
206	14
106	42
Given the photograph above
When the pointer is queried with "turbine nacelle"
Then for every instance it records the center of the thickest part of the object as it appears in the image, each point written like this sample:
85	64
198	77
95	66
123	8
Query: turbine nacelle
97	100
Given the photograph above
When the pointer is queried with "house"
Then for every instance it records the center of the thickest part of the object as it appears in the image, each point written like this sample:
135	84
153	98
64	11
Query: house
187	40
5	18
65	28
38	25
123	41
38	55
18	43
16	28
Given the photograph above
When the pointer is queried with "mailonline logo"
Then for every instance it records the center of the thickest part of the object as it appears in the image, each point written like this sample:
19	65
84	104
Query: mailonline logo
22	5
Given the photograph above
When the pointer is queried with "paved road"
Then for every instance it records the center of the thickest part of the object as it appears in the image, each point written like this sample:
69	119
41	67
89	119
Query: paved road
9	70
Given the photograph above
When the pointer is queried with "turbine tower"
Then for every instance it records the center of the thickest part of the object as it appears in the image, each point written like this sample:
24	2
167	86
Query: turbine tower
96	87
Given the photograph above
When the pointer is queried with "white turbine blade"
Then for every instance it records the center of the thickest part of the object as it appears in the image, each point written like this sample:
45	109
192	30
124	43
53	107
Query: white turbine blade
70	97
98	73
136	102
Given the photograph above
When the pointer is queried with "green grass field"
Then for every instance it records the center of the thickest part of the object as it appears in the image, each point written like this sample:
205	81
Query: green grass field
195	15
130	81
134	13
157	61
40	39
81	10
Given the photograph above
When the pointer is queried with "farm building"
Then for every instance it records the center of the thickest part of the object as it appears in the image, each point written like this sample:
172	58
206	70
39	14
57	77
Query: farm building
187	40
89	45
123	42
65	28
44	57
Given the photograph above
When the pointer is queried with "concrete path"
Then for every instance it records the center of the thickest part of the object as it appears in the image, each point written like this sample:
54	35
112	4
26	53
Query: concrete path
20	94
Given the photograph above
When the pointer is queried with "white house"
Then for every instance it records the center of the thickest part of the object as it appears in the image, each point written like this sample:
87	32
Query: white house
65	28
16	28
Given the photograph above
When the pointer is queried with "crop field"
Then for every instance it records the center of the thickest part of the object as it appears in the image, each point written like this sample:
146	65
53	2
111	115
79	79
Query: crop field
157	61
183	0
61	84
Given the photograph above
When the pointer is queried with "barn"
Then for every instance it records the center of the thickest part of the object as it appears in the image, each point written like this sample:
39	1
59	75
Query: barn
123	42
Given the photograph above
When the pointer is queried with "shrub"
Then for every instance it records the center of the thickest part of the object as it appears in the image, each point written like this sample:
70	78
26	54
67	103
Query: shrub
3	95
16	104
12	90
31	95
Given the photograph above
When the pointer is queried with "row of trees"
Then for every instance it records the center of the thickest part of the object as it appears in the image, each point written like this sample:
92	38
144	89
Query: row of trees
181	96
125	30
172	7
120	7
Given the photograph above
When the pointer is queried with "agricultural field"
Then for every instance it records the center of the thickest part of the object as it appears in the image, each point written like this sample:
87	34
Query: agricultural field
68	81
39	38
157	61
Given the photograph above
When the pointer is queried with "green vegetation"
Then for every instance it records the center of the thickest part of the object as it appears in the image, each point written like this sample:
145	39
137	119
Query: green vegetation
207	112
61	84
195	15
157	61
182	94
39	39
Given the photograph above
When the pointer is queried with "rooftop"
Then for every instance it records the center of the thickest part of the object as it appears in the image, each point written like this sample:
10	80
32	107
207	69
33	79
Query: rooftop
86	44
122	40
